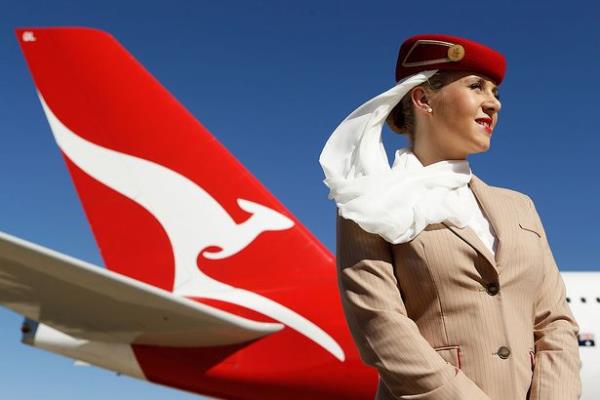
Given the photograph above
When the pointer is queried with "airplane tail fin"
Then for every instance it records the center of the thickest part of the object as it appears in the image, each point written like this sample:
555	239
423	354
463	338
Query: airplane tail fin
167	203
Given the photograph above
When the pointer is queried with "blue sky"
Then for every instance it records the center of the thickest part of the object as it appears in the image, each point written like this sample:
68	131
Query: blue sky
271	80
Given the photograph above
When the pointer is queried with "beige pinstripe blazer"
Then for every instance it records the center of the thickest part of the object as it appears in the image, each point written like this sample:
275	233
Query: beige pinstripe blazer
442	319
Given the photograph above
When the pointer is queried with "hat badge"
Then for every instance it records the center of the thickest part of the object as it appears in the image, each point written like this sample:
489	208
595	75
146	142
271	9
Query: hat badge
456	52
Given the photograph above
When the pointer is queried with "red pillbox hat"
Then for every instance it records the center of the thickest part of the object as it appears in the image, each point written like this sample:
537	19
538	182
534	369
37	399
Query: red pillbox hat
445	52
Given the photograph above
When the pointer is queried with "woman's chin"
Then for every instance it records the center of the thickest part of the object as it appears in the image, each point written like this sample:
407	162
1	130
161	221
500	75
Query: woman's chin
481	146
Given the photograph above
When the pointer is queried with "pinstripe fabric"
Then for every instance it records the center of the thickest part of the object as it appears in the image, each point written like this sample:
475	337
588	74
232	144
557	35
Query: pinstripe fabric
422	314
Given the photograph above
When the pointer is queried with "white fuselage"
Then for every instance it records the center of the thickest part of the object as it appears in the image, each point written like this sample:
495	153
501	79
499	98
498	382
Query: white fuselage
583	295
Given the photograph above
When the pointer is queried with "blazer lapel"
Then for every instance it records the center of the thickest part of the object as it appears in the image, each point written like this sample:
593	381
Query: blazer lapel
502	217
488	201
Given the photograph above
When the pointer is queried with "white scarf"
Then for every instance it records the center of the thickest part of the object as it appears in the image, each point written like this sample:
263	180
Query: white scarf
395	202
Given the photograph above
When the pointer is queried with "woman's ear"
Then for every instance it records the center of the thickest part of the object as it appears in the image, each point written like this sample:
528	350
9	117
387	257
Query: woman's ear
420	99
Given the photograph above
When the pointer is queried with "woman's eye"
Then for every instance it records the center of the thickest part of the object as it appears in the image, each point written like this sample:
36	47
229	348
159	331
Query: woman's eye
479	85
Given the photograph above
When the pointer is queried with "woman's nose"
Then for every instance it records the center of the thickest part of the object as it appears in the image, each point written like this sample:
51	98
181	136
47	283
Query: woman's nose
492	105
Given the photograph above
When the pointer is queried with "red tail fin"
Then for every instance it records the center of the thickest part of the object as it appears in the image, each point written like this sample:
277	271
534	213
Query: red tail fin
167	203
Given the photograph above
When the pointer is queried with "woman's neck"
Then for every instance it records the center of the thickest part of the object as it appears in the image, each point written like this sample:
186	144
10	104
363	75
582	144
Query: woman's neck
428	156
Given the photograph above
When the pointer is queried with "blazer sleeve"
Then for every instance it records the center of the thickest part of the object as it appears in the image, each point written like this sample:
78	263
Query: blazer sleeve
557	368
386	337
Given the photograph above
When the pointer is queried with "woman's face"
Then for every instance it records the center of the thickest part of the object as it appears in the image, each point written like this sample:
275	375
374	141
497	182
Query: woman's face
464	115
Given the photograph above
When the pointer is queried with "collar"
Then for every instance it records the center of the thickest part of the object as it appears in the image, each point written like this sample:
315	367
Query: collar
502	215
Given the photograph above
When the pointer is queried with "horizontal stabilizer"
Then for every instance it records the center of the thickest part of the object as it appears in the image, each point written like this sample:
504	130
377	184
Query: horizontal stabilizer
89	302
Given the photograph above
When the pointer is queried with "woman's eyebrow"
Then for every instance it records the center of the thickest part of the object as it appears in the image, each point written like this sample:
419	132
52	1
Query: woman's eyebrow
486	82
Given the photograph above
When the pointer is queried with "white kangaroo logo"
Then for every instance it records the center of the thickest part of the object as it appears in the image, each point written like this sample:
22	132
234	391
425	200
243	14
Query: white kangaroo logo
193	221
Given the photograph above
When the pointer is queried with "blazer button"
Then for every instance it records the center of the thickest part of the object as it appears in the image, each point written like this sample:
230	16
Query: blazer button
492	288
503	352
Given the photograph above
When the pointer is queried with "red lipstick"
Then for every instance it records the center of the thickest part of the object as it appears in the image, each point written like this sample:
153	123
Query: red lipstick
486	123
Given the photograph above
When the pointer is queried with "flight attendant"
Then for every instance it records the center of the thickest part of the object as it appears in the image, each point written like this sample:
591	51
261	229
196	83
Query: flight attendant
448	284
